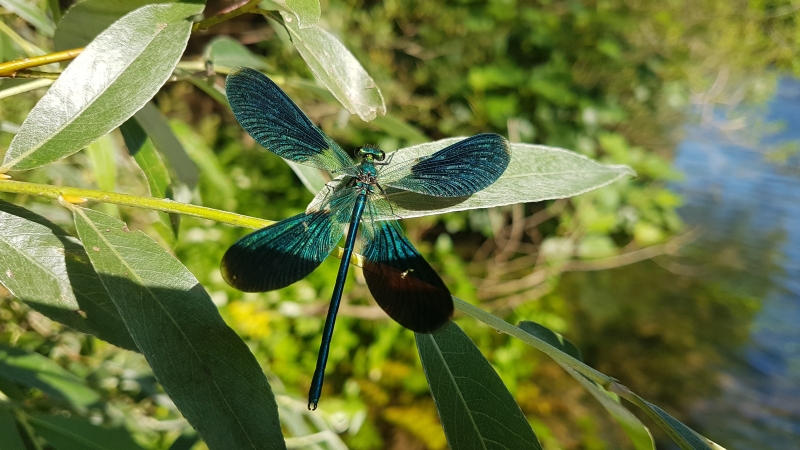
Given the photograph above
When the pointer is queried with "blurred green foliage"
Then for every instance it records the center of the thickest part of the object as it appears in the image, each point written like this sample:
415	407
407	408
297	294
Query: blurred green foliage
611	79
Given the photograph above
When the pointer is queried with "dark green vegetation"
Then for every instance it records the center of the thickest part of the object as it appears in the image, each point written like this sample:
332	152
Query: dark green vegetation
609	79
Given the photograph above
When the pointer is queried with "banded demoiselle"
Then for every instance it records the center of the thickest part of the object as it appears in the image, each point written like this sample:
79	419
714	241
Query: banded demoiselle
400	280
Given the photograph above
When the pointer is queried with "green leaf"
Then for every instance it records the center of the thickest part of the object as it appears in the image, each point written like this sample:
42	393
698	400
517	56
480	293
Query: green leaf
398	128
638	434
145	155
103	86
207	162
155	172
184	442
306	11
85	20
210	88
157	127
101	154
206	369
73	433
476	409
134	136
551	337
682	434
11	390
30	14
36	371
9	431
49	270
536	173
226	52
534	341
685	437
337	69
312	178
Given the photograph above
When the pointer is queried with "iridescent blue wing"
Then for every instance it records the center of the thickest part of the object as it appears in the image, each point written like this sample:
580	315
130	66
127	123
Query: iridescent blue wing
401	281
275	122
461	169
286	252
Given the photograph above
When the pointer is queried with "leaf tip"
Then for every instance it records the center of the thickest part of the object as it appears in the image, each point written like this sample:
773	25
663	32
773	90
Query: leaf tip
622	169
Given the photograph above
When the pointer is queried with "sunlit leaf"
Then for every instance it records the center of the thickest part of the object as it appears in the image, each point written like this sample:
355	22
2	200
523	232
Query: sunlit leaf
476	409
73	433
639	434
36	371
113	78
9	431
224	51
536	173
49	270
31	14
337	69
206	369
306	11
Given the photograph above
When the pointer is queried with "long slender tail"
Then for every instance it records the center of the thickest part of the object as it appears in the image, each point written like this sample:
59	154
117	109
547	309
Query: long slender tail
327	334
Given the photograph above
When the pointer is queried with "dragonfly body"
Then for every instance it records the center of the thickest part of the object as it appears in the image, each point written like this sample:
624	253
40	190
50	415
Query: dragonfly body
365	185
401	281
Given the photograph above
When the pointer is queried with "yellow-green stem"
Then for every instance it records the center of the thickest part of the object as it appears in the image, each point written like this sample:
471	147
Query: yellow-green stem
11	67
136	201
158	204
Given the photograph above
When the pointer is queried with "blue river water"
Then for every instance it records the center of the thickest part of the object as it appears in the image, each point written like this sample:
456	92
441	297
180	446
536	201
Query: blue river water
742	197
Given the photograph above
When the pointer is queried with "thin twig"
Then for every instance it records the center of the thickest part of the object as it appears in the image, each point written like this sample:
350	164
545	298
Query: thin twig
538	277
33	74
230	13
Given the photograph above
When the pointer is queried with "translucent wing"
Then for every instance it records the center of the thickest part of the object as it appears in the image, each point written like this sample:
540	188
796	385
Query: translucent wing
286	252
275	122
401	281
461	169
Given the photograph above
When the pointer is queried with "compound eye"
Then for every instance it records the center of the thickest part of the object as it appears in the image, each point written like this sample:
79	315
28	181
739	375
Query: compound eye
380	156
360	152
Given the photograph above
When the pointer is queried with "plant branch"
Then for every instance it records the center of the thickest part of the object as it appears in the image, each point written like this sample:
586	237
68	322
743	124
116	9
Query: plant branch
158	204
539	276
79	195
33	74
235	11
8	69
